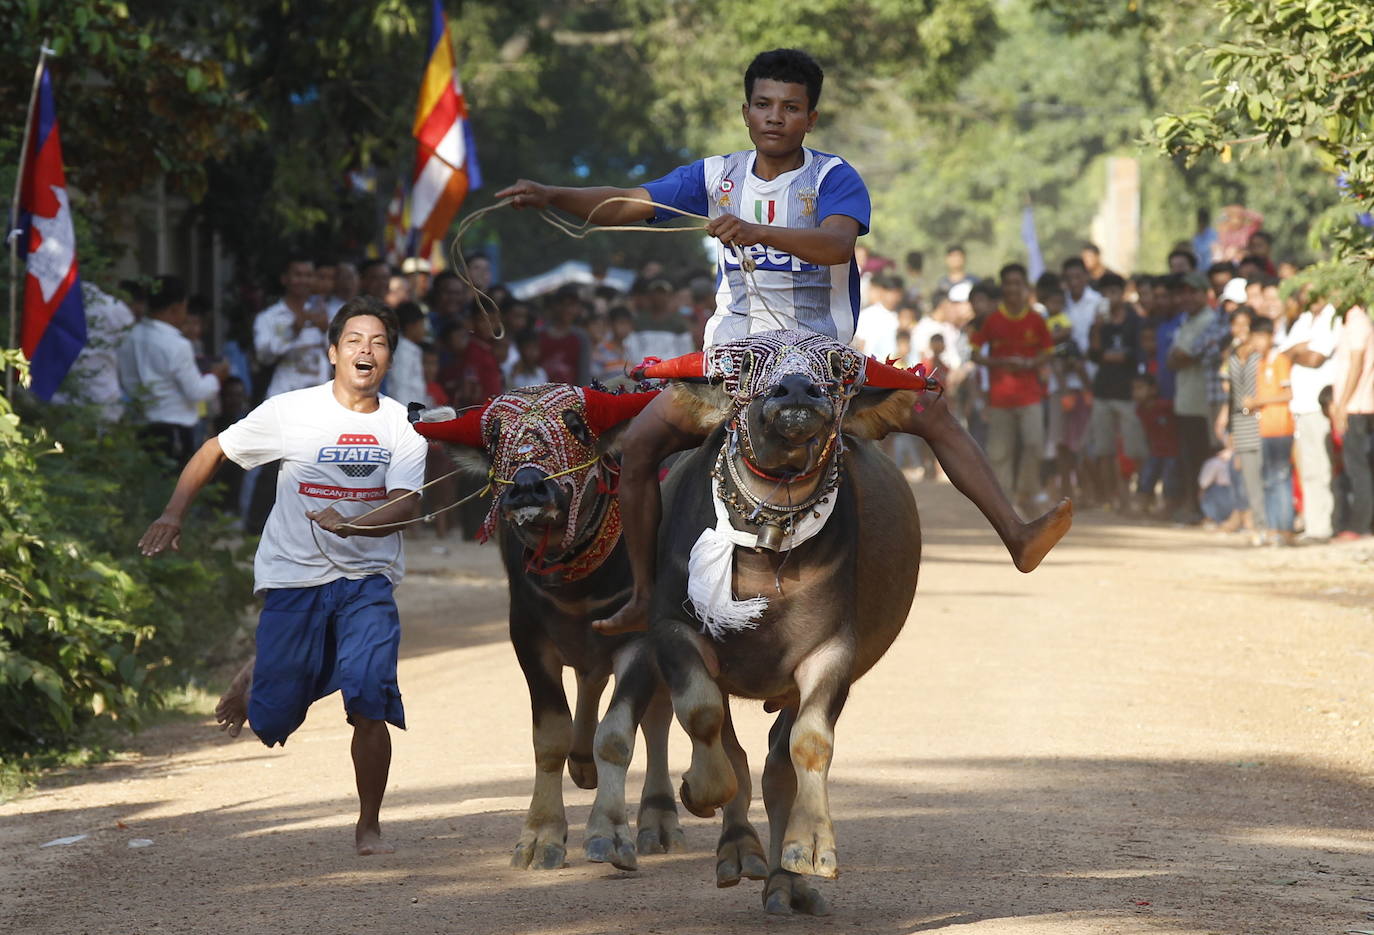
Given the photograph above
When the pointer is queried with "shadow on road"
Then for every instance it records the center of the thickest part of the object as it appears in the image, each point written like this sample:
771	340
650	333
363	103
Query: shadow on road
1187	845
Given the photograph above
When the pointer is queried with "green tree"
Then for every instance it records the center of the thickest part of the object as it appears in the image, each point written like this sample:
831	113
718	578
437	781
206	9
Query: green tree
1285	74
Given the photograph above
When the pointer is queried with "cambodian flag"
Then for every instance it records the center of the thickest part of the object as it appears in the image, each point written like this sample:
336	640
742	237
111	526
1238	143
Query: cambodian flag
54	322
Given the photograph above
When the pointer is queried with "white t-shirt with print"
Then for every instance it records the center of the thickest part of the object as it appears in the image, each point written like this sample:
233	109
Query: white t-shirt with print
328	452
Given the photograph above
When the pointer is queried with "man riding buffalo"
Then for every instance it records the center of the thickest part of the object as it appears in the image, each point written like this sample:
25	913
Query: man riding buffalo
791	267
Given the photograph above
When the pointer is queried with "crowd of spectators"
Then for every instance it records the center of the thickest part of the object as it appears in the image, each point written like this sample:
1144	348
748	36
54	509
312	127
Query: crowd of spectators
1187	395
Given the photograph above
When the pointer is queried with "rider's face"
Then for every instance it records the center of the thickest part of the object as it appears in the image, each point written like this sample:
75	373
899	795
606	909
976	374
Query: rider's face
779	116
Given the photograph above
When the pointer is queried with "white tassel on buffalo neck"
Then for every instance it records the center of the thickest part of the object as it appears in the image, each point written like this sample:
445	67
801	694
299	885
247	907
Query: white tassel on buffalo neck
711	568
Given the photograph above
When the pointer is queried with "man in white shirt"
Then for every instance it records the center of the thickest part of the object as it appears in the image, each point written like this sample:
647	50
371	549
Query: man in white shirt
1082	303
1310	345
329	621
157	369
289	336
876	333
94	377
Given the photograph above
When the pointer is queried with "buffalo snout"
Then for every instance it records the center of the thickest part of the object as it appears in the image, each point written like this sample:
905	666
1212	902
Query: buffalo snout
797	409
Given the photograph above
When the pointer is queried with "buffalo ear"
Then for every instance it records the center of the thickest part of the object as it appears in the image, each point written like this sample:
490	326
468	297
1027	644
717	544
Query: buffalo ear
875	413
703	405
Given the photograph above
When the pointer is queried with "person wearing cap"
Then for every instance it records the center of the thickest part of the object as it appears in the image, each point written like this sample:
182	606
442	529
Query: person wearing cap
1193	352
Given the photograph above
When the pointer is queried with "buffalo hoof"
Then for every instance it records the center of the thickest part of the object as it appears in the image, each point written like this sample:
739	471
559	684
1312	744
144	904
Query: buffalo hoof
699	810
816	861
739	854
659	831
786	893
582	770
617	851
539	855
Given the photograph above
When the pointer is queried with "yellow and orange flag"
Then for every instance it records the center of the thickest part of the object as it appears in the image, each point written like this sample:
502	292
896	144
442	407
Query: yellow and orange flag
445	154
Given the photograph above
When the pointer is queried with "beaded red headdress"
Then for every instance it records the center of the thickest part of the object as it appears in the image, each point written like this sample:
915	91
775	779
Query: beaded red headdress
526	428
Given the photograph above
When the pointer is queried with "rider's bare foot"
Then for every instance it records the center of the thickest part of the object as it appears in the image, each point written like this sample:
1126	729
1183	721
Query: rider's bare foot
1037	537
232	710
631	618
368	840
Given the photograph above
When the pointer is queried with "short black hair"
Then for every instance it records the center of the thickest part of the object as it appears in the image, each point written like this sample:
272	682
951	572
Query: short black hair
1111	281
1048	283
889	281
985	287
1253	259
1089	246
527	337
1073	262
790	66
135	289
1013	268
366	265
1263	235
165	292
1261	325
621	313
296	256
1227	267
357	308
408	313
326	261
915	259
1189	255
955	246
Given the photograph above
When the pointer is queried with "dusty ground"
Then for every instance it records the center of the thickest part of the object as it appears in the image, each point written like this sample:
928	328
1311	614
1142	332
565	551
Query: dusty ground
1159	731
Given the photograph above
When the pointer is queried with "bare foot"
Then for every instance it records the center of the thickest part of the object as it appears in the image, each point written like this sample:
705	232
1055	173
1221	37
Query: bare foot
631	618
1041	535
368	839
232	710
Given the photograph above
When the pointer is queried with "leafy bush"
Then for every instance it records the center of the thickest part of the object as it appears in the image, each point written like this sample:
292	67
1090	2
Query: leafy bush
89	629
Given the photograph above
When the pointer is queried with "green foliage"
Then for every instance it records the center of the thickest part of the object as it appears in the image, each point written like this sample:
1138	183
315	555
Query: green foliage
1342	284
135	103
88	628
1286	73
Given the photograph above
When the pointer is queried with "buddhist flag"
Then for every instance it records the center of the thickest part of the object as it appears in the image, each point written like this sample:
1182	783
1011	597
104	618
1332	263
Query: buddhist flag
445	155
54	322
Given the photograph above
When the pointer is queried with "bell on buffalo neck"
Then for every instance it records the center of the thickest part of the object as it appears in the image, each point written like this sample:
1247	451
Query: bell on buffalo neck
770	538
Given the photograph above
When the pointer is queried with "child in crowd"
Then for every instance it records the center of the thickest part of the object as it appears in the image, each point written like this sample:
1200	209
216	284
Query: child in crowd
1160	425
1070	406
1217	495
1273	391
527	371
429	362
610	359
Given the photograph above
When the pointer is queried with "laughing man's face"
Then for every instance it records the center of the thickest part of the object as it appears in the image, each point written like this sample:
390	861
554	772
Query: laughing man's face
362	355
779	116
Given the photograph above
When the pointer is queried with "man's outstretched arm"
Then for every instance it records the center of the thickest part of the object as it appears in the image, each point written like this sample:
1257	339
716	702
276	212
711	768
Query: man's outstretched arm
165	531
586	203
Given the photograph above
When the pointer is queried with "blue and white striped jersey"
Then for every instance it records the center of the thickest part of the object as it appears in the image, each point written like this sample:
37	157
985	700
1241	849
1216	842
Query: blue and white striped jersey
800	295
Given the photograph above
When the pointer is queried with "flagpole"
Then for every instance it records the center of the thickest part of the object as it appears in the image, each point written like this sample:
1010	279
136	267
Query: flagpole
12	236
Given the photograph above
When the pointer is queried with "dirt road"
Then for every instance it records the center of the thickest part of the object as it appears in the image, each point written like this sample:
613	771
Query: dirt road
1159	731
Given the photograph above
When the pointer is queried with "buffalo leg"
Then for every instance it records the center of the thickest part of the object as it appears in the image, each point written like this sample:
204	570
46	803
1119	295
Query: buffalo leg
739	853
785	892
581	765
659	831
543	842
823	683
710	780
608	831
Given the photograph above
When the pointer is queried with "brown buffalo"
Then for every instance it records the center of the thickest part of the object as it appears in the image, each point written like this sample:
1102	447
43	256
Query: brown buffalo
790	456
549	452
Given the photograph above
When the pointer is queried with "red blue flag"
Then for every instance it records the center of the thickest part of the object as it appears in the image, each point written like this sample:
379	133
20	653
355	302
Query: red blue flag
54	322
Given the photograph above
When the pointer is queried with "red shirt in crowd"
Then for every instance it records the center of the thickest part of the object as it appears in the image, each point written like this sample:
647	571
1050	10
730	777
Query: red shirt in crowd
562	357
1005	335
472	376
1161	427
